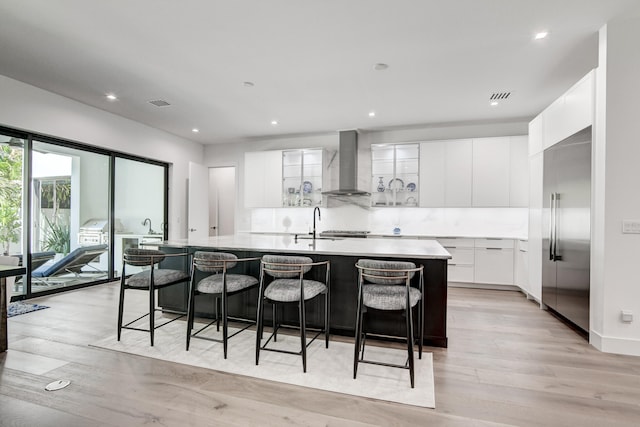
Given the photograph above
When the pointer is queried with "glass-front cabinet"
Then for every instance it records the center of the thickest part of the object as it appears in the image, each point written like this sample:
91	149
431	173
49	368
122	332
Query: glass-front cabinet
395	174
302	177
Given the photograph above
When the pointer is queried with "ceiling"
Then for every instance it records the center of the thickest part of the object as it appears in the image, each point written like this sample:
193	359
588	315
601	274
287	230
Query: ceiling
311	62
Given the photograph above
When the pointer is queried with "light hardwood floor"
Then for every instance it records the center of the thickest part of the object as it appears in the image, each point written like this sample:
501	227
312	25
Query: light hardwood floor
508	363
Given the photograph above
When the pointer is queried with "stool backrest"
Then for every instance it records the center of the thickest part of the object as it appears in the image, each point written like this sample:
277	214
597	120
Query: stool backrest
210	262
285	267
141	257
386	272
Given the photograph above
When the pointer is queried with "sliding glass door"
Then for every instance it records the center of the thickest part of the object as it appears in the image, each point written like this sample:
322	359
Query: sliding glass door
69	216
139	207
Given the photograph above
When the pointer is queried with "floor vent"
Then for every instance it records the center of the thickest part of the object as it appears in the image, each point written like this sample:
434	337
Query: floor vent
159	103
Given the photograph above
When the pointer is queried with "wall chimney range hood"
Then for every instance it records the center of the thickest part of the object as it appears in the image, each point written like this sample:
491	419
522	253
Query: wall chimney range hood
348	167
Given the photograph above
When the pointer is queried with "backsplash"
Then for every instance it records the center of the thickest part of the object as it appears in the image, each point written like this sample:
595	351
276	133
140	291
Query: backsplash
470	222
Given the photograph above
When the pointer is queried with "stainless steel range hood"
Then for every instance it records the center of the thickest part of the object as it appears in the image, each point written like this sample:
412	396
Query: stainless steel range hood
348	167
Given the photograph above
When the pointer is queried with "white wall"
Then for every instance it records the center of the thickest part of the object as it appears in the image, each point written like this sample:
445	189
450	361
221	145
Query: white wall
617	256
26	107
508	222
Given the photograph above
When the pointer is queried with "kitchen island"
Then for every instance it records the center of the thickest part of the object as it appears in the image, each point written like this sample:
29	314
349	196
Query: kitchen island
343	254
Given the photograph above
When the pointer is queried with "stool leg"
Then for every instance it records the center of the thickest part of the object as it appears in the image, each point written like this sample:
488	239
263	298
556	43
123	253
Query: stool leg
217	314
303	335
326	320
410	342
274	315
152	311
225	323
420	327
356	351
190	313
260	322
120	307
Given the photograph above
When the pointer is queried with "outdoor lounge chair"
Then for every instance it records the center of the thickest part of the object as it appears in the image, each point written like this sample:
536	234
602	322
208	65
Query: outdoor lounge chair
73	263
38	258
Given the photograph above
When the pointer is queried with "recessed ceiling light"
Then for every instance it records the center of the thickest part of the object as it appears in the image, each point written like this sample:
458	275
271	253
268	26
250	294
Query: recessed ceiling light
195	130
494	103
248	84
372	114
541	35
111	97
380	66
274	122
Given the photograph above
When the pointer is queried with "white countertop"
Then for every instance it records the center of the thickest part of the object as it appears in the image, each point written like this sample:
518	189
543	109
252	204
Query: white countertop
369	247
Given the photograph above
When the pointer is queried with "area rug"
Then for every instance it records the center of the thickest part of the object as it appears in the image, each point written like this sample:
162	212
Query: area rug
18	308
327	369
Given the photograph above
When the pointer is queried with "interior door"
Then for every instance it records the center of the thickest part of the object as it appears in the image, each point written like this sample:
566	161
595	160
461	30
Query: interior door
222	200
198	202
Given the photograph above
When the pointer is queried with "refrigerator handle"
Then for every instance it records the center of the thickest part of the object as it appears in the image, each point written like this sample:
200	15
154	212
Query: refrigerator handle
552	216
556	198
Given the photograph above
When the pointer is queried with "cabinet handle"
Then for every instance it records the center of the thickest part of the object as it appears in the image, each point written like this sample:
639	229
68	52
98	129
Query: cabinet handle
493	249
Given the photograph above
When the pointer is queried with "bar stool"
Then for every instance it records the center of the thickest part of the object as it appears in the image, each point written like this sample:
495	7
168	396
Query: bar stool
290	286
221	285
149	280
385	286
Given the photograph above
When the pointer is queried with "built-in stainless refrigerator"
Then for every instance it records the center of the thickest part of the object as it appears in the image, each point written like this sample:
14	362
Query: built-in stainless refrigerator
566	243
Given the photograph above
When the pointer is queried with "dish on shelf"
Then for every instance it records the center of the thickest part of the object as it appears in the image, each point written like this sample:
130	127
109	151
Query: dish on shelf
307	202
307	187
411	201
396	184
411	186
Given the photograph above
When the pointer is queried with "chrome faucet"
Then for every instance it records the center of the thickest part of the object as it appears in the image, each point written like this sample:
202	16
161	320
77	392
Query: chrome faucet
145	223
314	220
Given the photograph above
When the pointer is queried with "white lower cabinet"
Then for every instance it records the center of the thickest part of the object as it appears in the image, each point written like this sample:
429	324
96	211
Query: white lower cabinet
494	266
522	266
482	261
460	266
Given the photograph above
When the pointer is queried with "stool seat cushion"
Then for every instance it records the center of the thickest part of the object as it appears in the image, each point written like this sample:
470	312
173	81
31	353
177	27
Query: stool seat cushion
288	290
235	282
161	277
389	297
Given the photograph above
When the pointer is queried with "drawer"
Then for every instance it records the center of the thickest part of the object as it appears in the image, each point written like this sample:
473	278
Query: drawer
494	266
453	242
494	243
523	245
460	255
460	273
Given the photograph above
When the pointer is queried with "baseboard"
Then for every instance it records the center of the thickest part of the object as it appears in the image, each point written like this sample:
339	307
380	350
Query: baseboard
483	286
616	345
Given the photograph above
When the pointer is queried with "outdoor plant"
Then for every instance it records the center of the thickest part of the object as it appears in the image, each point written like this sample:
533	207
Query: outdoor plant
56	237
10	196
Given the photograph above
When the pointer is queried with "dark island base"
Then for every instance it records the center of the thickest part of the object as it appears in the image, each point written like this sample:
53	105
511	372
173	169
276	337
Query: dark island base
342	303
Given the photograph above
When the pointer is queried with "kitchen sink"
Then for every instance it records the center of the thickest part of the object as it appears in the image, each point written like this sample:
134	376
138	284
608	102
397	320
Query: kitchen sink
317	238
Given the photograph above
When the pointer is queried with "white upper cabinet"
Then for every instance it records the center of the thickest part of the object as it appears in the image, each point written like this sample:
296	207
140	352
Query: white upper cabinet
480	172
263	179
518	172
458	173
571	112
302	178
432	174
491	158
445	173
535	135
395	170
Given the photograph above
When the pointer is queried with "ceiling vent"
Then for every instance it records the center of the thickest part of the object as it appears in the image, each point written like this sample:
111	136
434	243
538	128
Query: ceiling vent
498	96
159	103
